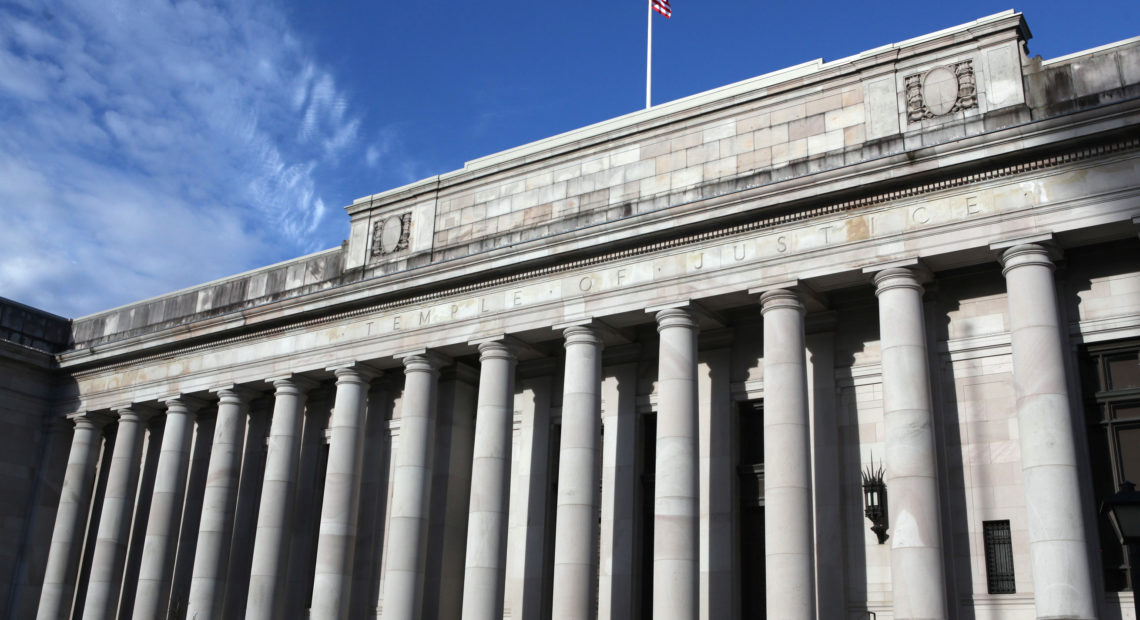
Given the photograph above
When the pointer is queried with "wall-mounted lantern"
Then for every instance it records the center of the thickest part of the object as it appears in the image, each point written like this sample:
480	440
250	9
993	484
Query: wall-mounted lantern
875	500
1123	511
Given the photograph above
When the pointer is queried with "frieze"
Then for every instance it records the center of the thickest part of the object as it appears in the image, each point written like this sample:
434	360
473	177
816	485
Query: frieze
725	255
941	91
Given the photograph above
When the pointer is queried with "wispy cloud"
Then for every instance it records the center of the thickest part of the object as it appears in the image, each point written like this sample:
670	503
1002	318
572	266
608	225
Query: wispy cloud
146	146
387	152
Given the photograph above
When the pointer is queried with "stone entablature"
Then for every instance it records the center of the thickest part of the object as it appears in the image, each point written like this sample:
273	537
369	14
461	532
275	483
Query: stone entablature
938	223
768	141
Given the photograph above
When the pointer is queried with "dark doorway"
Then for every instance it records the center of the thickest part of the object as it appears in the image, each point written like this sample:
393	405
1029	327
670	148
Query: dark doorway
750	509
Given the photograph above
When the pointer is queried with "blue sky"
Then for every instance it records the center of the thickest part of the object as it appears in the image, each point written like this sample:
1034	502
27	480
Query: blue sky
150	146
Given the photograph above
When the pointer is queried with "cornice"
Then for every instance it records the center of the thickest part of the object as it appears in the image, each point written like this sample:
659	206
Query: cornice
26	355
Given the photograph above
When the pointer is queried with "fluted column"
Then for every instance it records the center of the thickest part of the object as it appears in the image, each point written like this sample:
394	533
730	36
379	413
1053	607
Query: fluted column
157	568
211	557
71	519
271	540
917	579
788	552
483	579
332	579
676	514
575	533
403	580
115	519
1062	582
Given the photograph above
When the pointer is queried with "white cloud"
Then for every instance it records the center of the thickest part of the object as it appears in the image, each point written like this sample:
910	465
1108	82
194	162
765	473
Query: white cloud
147	146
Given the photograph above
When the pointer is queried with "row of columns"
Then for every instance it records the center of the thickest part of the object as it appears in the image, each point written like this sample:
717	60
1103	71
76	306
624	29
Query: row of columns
1062	578
1062	575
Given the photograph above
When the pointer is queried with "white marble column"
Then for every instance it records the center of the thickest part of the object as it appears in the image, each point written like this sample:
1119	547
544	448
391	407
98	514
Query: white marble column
788	540
271	540
676	525
115	519
71	518
1062	582
332	579
211	557
575	533
408	518
918	582
484	576
157	569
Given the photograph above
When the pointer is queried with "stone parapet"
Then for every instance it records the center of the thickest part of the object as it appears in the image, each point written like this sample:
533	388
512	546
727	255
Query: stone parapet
33	328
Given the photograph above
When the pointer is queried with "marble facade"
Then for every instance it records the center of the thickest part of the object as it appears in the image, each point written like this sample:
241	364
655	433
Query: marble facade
630	371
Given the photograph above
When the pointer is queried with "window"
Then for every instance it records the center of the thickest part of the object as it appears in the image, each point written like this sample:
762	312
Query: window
999	557
1110	380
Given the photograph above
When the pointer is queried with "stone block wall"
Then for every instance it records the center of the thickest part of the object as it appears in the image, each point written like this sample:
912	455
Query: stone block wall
648	173
1094	77
33	452
29	327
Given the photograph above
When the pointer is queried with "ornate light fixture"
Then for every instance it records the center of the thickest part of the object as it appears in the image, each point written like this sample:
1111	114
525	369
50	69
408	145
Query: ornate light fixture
875	499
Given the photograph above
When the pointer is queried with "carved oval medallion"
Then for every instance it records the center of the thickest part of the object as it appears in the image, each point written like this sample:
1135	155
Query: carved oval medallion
940	90
390	234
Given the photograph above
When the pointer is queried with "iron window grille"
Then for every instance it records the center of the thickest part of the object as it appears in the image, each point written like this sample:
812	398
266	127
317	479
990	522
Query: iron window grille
999	557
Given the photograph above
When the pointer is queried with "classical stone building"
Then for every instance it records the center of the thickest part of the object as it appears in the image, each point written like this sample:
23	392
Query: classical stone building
637	370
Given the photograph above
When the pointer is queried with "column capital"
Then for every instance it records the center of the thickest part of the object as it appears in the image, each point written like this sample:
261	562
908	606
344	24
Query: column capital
700	315
292	383
234	394
676	317
811	299
896	277
1024	255
89	420
354	373
497	349
780	299
181	403
133	412
422	361
1043	239
581	334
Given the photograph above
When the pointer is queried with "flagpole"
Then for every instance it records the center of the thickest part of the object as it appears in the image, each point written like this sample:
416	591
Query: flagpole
649	55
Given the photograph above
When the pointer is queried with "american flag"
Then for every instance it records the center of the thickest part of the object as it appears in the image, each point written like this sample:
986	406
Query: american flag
662	7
